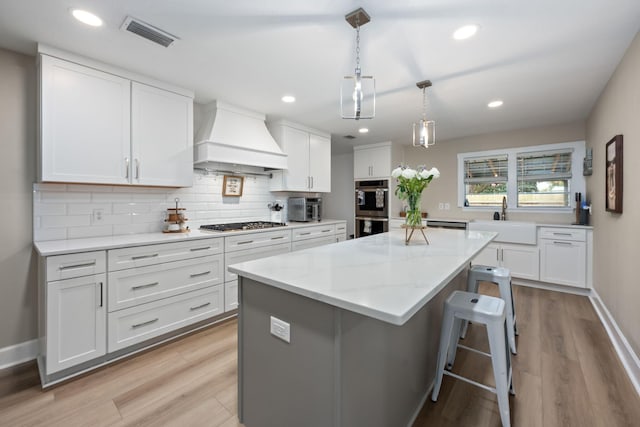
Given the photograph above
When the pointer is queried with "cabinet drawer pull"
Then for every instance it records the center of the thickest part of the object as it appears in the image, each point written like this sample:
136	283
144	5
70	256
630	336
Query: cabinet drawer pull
277	238
562	243
562	234
144	256
245	242
135	288
204	248
326	231
305	234
204	273
148	322
85	264
200	306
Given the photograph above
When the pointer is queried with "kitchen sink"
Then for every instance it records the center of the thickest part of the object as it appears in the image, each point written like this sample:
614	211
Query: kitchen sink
508	231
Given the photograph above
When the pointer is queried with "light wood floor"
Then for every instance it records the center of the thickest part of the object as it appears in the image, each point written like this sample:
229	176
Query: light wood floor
566	374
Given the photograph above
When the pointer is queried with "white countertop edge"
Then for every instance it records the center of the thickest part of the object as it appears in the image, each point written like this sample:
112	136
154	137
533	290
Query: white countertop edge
67	246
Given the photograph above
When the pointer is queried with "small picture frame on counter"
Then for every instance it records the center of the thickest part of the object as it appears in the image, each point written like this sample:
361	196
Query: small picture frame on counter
232	186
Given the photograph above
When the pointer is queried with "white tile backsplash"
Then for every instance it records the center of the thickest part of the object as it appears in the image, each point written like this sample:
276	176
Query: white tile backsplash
65	211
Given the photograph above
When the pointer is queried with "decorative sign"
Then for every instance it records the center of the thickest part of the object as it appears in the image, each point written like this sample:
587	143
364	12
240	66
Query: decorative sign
613	187
232	185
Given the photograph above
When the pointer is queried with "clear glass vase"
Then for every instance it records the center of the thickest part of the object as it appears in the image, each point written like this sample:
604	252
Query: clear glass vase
414	214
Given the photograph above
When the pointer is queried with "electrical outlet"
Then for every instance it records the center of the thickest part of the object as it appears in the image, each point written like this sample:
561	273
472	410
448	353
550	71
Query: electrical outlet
98	215
280	329
447	206
440	206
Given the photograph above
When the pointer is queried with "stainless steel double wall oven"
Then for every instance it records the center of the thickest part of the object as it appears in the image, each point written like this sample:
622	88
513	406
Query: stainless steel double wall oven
372	207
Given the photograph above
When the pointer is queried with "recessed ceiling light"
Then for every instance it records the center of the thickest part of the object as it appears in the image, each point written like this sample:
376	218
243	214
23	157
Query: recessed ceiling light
465	32
86	17
495	104
363	130
288	99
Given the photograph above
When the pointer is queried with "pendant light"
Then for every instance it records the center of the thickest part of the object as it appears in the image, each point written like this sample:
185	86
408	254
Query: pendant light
424	132
358	92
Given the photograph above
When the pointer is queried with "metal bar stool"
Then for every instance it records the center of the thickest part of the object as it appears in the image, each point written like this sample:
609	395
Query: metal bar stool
501	277
464	306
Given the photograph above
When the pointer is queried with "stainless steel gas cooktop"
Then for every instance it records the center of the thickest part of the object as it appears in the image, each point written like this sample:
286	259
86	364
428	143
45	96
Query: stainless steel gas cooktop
237	226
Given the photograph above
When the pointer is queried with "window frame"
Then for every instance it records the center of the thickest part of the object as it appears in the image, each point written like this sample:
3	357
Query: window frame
577	182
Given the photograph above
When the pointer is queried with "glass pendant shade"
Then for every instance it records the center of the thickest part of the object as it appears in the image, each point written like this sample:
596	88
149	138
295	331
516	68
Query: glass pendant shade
424	133
358	97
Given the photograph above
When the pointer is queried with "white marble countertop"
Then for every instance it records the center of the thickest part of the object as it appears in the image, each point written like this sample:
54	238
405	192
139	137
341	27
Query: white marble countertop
59	247
376	276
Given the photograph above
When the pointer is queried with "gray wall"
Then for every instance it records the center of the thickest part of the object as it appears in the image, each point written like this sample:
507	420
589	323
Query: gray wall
616	249
17	174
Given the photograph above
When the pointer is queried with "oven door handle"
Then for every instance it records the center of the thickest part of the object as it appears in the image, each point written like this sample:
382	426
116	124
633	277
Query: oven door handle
372	218
371	190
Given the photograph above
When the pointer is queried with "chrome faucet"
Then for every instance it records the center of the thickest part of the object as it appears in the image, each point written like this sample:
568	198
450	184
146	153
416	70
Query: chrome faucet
503	215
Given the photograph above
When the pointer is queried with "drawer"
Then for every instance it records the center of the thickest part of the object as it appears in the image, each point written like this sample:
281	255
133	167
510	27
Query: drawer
312	243
75	265
134	286
575	234
341	228
313	232
256	240
231	295
137	324
251	254
140	256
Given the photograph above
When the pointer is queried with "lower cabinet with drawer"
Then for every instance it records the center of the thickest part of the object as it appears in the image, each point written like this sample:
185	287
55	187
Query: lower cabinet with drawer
563	256
314	235
73	309
137	324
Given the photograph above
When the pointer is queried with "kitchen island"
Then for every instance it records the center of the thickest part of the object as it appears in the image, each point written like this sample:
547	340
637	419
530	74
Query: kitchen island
356	329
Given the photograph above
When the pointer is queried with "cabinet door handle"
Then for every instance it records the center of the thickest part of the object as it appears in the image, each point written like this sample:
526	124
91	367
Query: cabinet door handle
204	248
497	254
137	169
199	306
245	242
84	264
148	285
100	295
204	273
502	255
562	243
311	182
126	167
148	322
134	258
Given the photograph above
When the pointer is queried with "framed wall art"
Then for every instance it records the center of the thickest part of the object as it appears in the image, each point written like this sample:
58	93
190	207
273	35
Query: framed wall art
613	197
232	185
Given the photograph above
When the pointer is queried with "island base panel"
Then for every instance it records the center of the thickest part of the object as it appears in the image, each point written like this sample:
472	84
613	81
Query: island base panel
340	368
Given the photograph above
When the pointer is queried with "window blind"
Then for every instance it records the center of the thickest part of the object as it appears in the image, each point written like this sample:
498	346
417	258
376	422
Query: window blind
544	166
488	169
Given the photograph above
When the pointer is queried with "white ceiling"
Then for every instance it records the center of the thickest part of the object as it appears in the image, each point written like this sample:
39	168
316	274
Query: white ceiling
547	59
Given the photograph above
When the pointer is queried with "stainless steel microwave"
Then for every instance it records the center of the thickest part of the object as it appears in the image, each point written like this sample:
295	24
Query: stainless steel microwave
304	209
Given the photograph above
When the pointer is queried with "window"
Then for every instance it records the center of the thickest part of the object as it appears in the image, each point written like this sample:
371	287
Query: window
537	178
485	181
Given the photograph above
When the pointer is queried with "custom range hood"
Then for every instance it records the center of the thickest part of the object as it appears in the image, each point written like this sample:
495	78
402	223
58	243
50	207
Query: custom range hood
233	135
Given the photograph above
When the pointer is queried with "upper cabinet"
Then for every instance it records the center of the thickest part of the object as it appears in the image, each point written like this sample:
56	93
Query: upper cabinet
99	127
309	163
372	161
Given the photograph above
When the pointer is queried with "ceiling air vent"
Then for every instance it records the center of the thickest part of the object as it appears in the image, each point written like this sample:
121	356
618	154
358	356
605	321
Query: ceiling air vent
148	31
349	137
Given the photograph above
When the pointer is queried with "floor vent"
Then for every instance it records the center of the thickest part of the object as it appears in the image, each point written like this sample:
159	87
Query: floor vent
148	31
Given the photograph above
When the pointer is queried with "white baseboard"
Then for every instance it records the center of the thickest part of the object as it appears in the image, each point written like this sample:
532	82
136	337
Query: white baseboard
626	354
552	287
19	353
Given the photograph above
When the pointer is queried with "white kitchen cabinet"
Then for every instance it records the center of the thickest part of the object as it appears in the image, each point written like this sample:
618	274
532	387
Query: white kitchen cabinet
341	231
372	161
161	137
231	295
72	301
83	139
101	127
521	260
309	158
563	256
